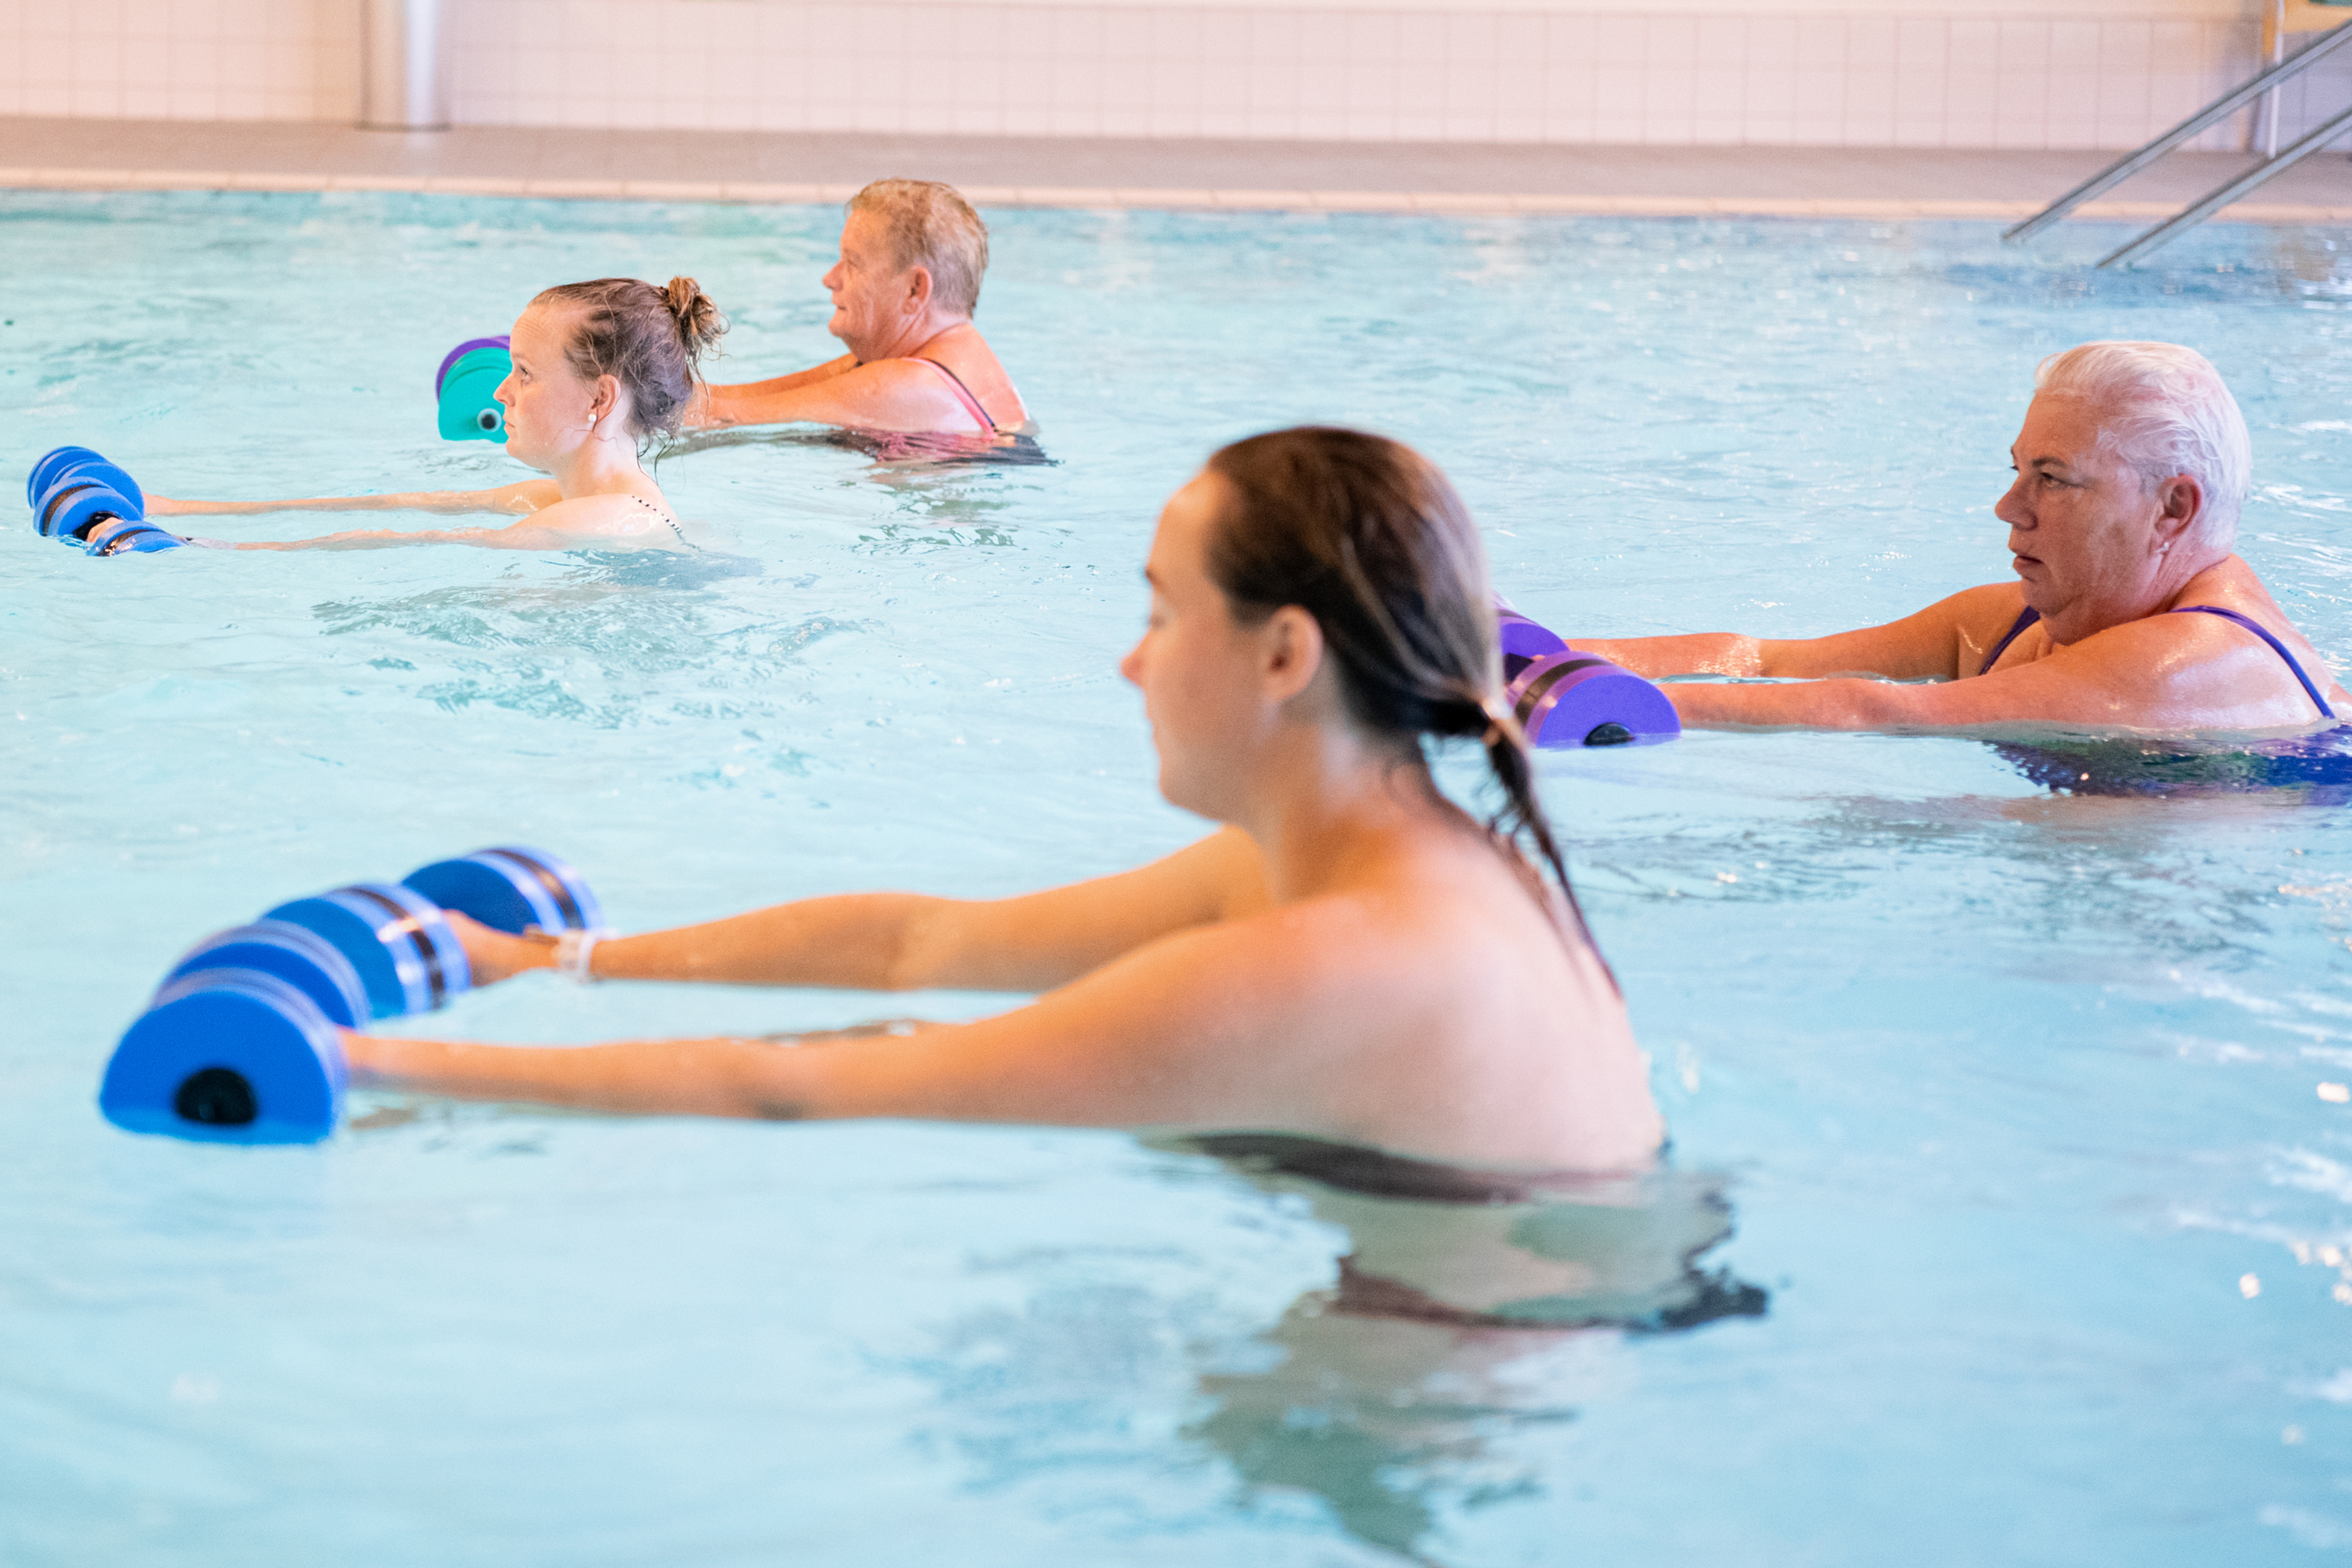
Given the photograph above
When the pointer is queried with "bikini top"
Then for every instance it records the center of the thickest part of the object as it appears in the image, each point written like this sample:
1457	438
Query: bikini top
2032	615
665	517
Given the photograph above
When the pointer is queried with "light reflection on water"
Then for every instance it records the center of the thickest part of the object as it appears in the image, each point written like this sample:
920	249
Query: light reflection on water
2007	1089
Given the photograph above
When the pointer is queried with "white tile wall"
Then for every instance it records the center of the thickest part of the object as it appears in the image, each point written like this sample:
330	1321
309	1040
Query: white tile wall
181	59
2074	73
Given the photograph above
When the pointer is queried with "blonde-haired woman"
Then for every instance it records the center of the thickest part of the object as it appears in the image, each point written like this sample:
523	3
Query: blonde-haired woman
599	368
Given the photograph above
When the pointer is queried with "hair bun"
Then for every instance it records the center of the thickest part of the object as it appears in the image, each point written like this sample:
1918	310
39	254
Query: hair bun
699	321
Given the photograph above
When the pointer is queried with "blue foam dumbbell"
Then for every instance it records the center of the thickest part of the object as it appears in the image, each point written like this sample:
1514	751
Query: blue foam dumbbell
240	1044
76	493
293	954
51	468
407	958
65	472
511	889
128	536
229	1055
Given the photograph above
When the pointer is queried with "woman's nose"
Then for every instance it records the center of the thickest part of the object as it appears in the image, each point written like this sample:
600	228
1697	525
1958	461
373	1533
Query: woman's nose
1131	666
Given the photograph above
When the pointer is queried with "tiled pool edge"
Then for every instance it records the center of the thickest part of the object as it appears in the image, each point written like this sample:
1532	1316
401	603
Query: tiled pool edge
1471	204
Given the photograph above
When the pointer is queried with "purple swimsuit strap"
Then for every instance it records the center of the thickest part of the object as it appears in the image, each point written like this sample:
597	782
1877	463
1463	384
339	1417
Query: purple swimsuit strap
2262	632
2025	620
2030	616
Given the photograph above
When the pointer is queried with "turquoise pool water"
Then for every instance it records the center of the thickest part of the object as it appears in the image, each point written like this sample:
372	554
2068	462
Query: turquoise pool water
2016	1097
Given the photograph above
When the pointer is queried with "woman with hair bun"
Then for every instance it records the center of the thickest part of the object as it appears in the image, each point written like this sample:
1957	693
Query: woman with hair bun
599	368
1352	959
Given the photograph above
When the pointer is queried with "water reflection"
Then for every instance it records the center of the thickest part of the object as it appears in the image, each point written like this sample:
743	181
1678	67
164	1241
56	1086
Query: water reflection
1389	1395
1468	1309
929	449
2315	770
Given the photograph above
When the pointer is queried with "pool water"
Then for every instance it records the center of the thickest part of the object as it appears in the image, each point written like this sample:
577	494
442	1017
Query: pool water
2019	1099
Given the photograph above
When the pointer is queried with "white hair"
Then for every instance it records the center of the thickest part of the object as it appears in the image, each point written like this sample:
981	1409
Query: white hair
2163	410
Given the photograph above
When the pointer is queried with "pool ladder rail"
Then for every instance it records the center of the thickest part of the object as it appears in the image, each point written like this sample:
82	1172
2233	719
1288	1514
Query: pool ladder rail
2285	16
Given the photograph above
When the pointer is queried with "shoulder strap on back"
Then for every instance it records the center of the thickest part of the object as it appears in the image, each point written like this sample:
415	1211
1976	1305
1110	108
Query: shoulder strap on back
2262	632
964	393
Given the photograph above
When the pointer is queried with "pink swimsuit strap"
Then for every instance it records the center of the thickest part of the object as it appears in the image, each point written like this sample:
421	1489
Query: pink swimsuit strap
964	393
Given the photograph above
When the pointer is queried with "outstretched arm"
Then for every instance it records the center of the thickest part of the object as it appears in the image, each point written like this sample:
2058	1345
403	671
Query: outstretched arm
738	404
523	499
1948	639
532	535
888	394
583	521
2162	673
905	941
1141	1042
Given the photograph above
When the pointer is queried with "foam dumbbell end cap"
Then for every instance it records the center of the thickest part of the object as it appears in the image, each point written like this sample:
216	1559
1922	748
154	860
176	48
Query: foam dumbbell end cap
449	361
407	958
229	1055
1524	641
52	467
84	472
1571	698
78	502
112	475
510	888
465	389
295	954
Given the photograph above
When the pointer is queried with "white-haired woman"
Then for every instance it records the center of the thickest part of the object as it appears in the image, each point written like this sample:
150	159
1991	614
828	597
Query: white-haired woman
2131	612
598	368
912	255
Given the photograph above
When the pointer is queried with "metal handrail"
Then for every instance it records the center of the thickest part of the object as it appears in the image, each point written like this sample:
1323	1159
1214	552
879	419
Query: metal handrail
2220	109
2215	200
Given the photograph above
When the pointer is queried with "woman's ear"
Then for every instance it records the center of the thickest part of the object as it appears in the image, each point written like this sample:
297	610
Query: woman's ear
2182	502
606	398
1292	644
919	289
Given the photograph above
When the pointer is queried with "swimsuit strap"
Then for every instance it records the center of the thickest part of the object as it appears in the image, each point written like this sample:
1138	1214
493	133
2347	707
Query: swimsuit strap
2029	616
2262	632
972	405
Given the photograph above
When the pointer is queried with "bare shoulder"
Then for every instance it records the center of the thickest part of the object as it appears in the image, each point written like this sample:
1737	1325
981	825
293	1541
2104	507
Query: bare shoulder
966	352
613	519
2193	670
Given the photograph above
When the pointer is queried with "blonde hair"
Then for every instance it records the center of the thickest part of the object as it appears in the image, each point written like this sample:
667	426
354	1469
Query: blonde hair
930	225
2162	408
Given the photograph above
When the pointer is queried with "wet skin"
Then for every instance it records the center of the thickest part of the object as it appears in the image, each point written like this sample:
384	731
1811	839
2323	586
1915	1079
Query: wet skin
2104	554
885	315
576	430
1350	957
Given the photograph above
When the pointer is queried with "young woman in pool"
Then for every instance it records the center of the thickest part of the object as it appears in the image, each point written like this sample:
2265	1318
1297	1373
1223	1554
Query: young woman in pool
1351	958
598	368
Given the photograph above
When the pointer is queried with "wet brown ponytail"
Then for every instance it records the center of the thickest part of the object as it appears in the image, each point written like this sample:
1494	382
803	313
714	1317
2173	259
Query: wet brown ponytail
650	340
1367	536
